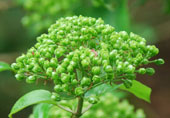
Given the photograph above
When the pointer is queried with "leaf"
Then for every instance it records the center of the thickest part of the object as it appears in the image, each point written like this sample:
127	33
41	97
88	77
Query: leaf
120	16
101	89
66	96
166	6
33	97
139	90
42	110
4	66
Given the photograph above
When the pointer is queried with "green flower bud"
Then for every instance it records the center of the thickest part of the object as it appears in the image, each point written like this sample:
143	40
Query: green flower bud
75	59
65	87
21	71
57	88
74	82
49	71
66	60
113	54
36	69
54	62
14	66
58	53
37	54
159	61
127	83
55	97
46	64
60	69
96	79
96	70
21	58
142	71
65	78
19	76
96	61
55	76
130	69
48	55
72	63
110	76
42	61
154	51
31	79
108	69
85	63
70	68
64	65
85	81
131	76
105	62
150	71
145	61
79	91
93	99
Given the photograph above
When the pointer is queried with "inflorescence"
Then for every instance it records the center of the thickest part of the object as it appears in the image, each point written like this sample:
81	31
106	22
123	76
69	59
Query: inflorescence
78	53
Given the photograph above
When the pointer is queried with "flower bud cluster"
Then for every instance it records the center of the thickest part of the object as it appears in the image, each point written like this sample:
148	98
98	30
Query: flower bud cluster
80	52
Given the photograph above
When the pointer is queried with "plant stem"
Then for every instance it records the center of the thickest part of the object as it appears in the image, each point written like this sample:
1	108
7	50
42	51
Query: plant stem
79	108
66	109
87	108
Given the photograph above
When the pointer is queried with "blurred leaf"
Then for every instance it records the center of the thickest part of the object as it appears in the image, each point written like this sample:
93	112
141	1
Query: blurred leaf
146	31
98	3
121	15
20	2
4	66
66	96
139	90
167	6
42	110
65	104
33	97
101	89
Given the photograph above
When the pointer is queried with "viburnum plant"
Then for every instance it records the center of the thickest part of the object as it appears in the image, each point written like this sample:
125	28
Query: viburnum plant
80	54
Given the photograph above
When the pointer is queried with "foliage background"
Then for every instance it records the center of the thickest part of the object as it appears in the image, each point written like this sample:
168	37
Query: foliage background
149	18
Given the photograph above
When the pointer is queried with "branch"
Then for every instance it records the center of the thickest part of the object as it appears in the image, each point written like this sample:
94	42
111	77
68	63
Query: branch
86	109
80	106
66	109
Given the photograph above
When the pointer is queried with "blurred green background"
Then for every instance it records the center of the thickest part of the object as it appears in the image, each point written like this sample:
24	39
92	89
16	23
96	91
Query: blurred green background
21	21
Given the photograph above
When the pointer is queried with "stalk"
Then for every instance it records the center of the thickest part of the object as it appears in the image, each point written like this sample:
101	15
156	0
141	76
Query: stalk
79	108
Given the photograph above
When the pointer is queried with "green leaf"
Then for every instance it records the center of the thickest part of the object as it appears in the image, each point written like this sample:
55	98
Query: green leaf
4	66
101	89
139	90
33	97
66	96
42	110
120	17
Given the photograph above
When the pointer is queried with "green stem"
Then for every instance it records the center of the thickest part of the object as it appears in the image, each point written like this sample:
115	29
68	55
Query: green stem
87	108
66	109
79	108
